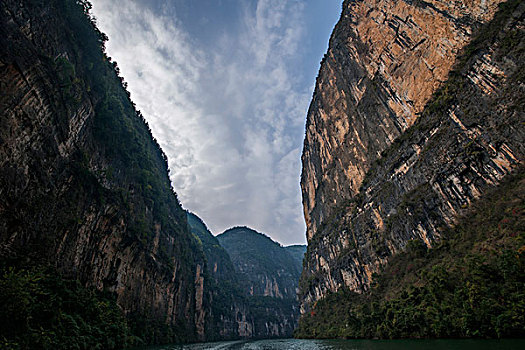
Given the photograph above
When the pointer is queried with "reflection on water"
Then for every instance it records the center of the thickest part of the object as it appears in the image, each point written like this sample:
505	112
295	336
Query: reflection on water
296	344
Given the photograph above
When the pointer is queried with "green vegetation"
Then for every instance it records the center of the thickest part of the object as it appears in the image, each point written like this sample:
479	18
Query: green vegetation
257	257
255	249
136	178
264	309
456	91
220	279
121	132
216	256
40	310
471	285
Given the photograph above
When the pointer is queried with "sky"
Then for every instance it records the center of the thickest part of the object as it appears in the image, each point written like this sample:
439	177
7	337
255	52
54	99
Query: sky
225	86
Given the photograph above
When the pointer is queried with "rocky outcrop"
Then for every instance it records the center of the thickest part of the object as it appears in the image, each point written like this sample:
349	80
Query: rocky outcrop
268	277
381	164
218	261
83	185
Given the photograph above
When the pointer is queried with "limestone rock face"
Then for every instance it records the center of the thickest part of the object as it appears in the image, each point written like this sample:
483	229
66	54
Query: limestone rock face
70	196
268	276
385	61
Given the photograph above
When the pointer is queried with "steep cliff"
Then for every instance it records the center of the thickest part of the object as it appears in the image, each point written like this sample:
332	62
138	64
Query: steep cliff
84	187
246	296
218	260
268	276
385	60
406	129
228	314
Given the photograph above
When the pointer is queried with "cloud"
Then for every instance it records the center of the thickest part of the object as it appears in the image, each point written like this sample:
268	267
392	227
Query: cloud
230	116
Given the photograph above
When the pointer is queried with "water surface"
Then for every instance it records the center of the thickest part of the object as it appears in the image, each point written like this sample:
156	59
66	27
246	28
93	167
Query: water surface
300	344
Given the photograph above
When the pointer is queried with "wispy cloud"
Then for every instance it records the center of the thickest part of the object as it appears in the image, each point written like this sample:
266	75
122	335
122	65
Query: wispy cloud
230	117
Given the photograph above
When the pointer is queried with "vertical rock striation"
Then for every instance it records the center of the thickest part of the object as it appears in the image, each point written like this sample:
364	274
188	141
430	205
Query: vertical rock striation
83	184
268	279
381	164
384	61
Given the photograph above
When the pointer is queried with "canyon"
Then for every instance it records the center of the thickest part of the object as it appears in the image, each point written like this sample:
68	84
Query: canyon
253	283
412	166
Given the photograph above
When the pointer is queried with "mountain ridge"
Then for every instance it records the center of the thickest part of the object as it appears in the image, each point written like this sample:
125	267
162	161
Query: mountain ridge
95	247
258	256
252	284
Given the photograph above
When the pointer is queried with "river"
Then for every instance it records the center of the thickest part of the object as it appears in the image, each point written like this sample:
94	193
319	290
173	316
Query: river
300	344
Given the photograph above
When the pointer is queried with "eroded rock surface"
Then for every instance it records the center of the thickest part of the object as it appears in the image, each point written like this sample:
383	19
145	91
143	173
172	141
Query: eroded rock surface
364	195
83	185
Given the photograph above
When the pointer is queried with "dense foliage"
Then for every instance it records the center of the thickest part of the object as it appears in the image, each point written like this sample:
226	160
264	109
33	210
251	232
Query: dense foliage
40	310
217	257
124	139
297	252
122	135
471	285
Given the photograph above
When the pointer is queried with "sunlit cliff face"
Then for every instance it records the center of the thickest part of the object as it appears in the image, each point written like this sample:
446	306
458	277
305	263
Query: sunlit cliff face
391	53
385	61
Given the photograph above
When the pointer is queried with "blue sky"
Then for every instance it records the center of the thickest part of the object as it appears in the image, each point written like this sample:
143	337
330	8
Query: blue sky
225	86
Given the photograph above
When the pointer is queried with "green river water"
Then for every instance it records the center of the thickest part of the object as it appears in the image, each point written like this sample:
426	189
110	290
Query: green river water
298	344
